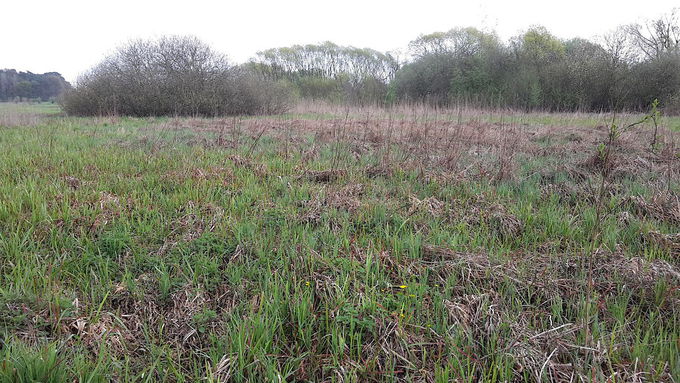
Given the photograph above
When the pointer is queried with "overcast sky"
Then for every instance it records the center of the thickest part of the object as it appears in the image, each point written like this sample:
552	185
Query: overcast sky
69	36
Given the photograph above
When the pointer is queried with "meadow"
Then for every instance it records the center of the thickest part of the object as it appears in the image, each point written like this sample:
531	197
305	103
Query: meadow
336	244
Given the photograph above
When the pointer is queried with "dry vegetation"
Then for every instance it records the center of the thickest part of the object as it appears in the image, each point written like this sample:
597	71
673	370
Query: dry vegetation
340	245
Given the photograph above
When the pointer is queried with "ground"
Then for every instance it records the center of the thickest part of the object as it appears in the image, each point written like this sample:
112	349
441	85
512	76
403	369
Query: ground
338	245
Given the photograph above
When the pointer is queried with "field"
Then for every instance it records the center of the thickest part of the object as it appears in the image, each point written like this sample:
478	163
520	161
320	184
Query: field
339	244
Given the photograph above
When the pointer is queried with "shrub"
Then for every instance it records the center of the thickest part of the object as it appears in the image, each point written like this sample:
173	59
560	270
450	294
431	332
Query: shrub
172	76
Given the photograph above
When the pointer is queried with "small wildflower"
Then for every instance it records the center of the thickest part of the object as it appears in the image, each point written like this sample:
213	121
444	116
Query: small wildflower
307	283
403	287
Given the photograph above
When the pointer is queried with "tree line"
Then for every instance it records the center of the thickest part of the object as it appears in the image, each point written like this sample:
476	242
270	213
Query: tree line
536	70
626	69
22	86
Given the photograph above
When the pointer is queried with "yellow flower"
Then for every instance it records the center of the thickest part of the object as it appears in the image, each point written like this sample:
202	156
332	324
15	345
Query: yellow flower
403	286
307	283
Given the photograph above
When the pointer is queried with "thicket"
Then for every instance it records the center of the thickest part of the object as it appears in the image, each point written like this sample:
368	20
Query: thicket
173	76
536	70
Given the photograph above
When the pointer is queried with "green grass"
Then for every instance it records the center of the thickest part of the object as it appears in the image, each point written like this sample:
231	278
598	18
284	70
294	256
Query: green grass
43	108
137	254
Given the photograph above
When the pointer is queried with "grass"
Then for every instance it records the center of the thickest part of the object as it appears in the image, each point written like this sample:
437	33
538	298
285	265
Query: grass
42	108
331	246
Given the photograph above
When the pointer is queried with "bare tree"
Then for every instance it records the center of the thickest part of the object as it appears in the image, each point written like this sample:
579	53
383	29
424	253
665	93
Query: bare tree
656	37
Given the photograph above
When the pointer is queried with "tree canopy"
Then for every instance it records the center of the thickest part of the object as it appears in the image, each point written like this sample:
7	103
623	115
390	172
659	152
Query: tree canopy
31	86
330	71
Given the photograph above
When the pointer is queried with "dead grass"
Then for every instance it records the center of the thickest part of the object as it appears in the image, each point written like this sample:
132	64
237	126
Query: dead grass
668	242
195	219
324	176
544	351
347	198
468	149
554	274
663	206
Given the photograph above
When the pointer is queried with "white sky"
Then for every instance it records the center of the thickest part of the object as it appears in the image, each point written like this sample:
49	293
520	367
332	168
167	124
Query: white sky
69	36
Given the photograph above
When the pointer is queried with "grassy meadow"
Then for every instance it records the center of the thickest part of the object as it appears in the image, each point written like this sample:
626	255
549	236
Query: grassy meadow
338	245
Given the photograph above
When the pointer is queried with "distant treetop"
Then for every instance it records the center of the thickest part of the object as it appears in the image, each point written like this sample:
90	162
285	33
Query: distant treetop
16	85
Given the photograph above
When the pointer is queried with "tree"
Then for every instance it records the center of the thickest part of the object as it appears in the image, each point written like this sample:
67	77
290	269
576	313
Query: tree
654	38
539	66
460	64
330	71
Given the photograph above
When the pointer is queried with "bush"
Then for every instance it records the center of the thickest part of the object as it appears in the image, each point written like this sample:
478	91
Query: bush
254	95
172	76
